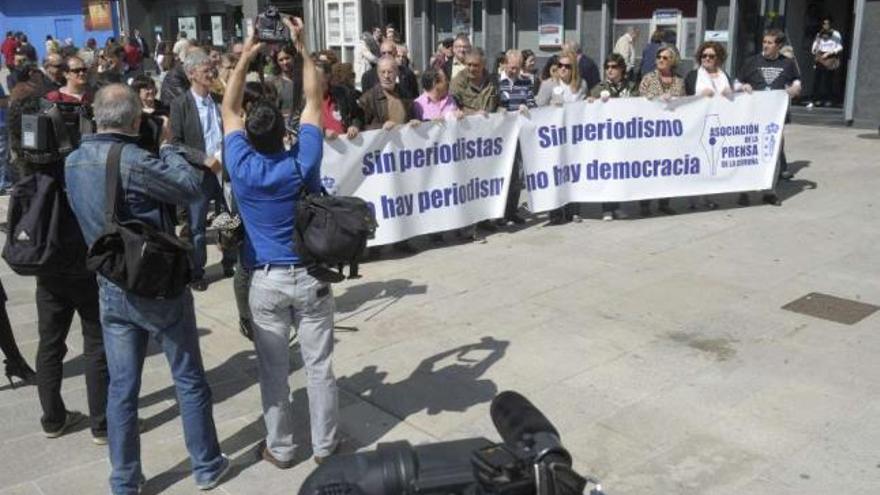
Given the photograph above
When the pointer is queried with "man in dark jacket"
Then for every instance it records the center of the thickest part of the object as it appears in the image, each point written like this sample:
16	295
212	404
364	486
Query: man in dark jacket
175	83
408	86
383	105
195	122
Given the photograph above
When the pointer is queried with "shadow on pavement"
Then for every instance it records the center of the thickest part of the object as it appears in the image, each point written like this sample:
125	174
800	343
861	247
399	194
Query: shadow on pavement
444	382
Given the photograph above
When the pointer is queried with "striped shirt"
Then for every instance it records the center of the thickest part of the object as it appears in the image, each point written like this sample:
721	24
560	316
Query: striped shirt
515	93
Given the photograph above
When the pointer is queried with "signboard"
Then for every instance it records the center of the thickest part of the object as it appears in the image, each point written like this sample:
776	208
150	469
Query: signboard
550	28
188	26
217	30
719	36
97	15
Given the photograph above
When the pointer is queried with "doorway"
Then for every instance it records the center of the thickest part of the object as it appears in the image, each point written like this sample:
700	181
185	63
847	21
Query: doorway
803	21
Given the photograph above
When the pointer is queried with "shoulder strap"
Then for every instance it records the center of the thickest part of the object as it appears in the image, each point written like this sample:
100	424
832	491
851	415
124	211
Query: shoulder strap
112	185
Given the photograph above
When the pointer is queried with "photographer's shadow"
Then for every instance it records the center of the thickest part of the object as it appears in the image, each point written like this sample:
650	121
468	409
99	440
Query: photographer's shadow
356	298
446	382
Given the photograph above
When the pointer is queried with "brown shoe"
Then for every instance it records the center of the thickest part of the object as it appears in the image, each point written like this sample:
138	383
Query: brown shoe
264	454
319	459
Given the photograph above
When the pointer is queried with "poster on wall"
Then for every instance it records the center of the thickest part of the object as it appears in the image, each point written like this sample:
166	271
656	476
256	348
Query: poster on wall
217	30
461	16
97	15
550	29
188	26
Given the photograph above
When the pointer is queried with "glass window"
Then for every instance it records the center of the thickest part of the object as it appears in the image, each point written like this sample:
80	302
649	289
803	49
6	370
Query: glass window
350	22
334	21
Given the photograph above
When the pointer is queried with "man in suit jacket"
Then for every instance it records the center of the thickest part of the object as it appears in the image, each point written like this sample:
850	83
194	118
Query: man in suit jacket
196	122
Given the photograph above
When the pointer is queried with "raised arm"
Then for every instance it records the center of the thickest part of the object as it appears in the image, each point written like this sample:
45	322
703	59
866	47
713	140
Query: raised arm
232	98
312	89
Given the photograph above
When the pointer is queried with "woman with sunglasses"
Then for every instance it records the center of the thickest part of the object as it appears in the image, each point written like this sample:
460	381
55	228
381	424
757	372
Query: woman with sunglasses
665	84
615	85
567	86
77	88
708	79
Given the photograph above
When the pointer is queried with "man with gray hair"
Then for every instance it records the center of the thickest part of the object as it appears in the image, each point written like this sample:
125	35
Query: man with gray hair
625	46
149	186
196	123
53	71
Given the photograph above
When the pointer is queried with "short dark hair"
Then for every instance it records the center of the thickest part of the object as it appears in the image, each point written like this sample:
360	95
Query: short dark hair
431	77
447	43
777	34
265	127
143	81
827	17
617	59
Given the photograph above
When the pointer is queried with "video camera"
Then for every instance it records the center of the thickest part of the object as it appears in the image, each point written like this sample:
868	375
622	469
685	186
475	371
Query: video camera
269	27
530	460
54	131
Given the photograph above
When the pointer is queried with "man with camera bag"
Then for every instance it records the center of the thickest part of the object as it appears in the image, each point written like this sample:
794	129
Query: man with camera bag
148	188
267	181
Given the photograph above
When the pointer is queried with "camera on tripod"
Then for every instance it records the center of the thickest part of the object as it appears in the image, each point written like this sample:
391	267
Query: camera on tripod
269	27
530	460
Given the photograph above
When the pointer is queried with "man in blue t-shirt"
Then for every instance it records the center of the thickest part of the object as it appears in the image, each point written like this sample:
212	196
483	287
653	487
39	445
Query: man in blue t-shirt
266	180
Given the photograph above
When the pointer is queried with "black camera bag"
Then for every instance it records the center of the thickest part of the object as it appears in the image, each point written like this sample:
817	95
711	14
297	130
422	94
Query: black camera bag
331	230
134	255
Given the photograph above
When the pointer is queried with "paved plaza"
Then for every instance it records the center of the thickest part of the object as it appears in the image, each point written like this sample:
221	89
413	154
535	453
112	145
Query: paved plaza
658	347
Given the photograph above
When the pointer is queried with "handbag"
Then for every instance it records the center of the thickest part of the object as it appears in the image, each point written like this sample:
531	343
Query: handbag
134	255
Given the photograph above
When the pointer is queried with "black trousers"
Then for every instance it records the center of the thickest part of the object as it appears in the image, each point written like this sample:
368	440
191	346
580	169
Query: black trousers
822	83
57	299
516	183
7	338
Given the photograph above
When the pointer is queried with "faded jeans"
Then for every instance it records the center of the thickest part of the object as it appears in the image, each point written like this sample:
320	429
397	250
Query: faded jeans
129	321
282	296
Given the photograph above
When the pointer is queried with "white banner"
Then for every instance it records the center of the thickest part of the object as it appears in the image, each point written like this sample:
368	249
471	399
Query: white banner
429	178
630	149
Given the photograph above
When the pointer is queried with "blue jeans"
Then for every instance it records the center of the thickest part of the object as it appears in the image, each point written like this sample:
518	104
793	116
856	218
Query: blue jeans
7	175
129	321
197	222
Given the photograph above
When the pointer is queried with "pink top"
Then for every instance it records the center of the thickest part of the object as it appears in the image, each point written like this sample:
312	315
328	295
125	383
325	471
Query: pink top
427	109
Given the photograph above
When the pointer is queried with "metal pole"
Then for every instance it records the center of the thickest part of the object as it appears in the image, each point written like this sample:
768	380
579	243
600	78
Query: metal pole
852	69
732	28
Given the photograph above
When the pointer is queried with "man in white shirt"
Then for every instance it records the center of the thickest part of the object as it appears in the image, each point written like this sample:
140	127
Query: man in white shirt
625	46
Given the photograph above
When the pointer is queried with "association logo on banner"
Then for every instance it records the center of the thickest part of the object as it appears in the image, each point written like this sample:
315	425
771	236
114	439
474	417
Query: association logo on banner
731	146
771	131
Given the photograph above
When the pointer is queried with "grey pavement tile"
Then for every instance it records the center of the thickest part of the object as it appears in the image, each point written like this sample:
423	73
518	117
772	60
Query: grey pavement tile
27	488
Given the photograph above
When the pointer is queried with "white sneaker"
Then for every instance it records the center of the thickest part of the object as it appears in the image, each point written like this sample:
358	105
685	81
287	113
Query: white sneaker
210	485
608	216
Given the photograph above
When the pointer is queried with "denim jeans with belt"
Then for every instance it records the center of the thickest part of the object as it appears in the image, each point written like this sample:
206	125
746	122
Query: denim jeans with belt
281	296
129	322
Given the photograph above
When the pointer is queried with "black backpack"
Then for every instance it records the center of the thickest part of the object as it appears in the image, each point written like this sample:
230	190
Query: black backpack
43	236
134	255
331	230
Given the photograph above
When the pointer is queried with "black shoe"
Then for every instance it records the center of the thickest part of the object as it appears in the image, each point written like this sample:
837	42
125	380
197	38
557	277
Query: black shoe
772	199
743	200
711	205
18	369
246	327
199	285
72	419
645	210
666	210
516	219
786	175
229	271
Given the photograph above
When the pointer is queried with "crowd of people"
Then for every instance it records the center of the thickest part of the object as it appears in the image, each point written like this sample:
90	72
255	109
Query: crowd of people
236	134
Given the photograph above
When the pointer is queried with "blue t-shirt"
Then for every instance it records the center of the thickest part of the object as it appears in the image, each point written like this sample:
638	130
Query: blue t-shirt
266	188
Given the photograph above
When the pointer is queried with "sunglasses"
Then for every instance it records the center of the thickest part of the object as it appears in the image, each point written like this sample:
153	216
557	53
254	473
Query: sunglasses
79	70
709	56
387	53
664	57
564	66
612	66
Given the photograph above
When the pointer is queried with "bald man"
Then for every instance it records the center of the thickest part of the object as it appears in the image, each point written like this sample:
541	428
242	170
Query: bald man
407	85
